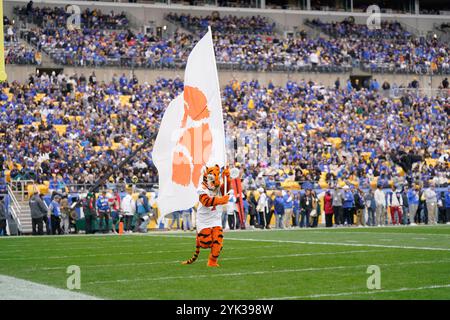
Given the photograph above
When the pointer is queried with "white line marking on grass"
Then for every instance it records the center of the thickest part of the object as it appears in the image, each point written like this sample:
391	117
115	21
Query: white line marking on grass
342	244
333	243
221	259
364	266
140	253
19	289
372	233
88	246
340	294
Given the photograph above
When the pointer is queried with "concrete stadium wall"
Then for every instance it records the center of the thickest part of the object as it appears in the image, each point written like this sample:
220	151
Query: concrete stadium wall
21	73
286	20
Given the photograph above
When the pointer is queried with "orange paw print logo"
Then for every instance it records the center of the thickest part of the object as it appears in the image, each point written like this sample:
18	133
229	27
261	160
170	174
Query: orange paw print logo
194	145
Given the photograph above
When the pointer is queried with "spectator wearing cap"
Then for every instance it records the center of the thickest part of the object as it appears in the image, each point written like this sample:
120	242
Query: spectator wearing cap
104	211
380	200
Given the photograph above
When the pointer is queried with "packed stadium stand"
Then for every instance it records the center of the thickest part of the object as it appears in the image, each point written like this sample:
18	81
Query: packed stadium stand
350	104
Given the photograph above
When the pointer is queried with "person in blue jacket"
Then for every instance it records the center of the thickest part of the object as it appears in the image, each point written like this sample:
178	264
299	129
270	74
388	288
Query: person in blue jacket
55	215
104	211
348	205
447	205
296	210
413	204
279	209
288	209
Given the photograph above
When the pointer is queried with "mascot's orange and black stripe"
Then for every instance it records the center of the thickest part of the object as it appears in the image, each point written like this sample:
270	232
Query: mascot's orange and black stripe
210	196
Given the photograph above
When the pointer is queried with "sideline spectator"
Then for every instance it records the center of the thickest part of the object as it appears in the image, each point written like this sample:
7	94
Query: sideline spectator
65	214
395	204
306	205
3	231
371	207
90	213
279	204
431	204
104	211
348	206
143	210
380	200
447	204
288	209
187	221
128	208
359	207
55	215
328	208
38	210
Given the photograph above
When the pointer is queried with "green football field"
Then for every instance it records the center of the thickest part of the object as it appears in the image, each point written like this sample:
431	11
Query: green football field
414	263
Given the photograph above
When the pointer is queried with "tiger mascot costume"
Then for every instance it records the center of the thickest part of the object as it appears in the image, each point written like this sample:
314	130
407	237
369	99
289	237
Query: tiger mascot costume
209	214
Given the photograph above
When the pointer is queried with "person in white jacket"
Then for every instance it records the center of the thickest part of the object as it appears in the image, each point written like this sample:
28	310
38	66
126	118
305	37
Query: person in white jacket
395	204
380	201
431	201
128	207
263	208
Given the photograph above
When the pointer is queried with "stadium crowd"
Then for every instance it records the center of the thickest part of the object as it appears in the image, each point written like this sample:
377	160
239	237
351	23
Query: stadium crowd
69	129
224	24
57	17
15	52
254	46
388	49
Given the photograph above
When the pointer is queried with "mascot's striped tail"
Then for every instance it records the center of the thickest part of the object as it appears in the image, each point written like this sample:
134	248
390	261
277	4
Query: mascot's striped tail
194	257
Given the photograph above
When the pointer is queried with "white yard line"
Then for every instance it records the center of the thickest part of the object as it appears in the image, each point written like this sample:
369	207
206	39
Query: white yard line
341	294
333	243
342	244
221	259
372	233
186	250
18	289
197	276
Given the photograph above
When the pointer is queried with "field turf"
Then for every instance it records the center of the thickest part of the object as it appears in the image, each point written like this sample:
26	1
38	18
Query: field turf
288	264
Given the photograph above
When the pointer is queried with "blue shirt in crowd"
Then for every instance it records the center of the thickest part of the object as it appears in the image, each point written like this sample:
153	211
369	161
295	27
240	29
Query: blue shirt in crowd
102	203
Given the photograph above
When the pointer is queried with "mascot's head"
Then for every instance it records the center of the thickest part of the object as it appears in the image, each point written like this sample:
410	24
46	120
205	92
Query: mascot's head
211	176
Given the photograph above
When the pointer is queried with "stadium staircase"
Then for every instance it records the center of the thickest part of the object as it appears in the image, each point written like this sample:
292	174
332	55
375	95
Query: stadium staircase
19	209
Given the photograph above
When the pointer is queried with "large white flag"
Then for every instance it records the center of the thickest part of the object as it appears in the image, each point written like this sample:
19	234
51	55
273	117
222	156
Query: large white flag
191	133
